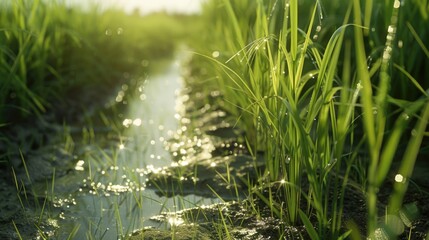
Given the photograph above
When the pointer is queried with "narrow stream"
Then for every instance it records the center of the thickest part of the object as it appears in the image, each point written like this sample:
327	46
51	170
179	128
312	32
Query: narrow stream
106	196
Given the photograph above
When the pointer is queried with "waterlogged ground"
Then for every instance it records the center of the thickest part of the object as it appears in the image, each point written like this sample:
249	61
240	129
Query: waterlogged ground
159	160
92	181
113	198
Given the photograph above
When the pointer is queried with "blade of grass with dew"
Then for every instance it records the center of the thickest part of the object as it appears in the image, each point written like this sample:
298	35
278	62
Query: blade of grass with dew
368	117
389	150
340	122
408	161
382	93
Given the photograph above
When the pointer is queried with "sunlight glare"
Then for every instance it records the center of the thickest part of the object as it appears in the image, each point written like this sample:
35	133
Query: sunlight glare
145	6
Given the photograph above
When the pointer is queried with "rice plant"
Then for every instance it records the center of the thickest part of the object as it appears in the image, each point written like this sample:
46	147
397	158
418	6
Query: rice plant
304	97
48	52
329	93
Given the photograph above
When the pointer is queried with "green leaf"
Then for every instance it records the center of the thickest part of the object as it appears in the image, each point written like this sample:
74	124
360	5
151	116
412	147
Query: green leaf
308	226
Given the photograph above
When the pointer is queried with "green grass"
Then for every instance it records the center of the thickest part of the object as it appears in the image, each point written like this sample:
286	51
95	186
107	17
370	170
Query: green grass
51	58
330	93
312	84
49	52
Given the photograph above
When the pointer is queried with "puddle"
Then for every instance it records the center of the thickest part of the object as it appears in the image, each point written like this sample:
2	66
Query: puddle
106	194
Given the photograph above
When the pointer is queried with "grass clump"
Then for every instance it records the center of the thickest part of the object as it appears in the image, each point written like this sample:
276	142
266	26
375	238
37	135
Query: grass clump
313	85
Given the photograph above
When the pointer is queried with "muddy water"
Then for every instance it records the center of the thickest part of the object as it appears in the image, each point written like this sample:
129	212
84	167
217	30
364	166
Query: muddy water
106	196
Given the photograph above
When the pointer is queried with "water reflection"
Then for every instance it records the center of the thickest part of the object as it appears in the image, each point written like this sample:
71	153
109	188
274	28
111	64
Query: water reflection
112	198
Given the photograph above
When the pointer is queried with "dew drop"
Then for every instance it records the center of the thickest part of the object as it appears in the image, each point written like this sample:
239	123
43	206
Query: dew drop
108	32
397	4
137	122
386	54
215	54
399	178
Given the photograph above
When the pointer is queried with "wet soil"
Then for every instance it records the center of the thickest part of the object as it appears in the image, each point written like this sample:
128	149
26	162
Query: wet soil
20	205
225	169
210	160
39	156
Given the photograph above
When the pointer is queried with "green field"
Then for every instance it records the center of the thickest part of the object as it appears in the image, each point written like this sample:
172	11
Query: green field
49	52
333	95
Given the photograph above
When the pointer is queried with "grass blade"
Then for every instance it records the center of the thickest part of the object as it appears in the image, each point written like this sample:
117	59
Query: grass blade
308	226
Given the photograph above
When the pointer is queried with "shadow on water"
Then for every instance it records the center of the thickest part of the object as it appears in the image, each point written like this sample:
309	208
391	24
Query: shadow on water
106	194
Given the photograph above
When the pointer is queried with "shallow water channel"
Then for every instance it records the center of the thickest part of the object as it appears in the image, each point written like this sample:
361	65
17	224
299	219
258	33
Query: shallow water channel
106	195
